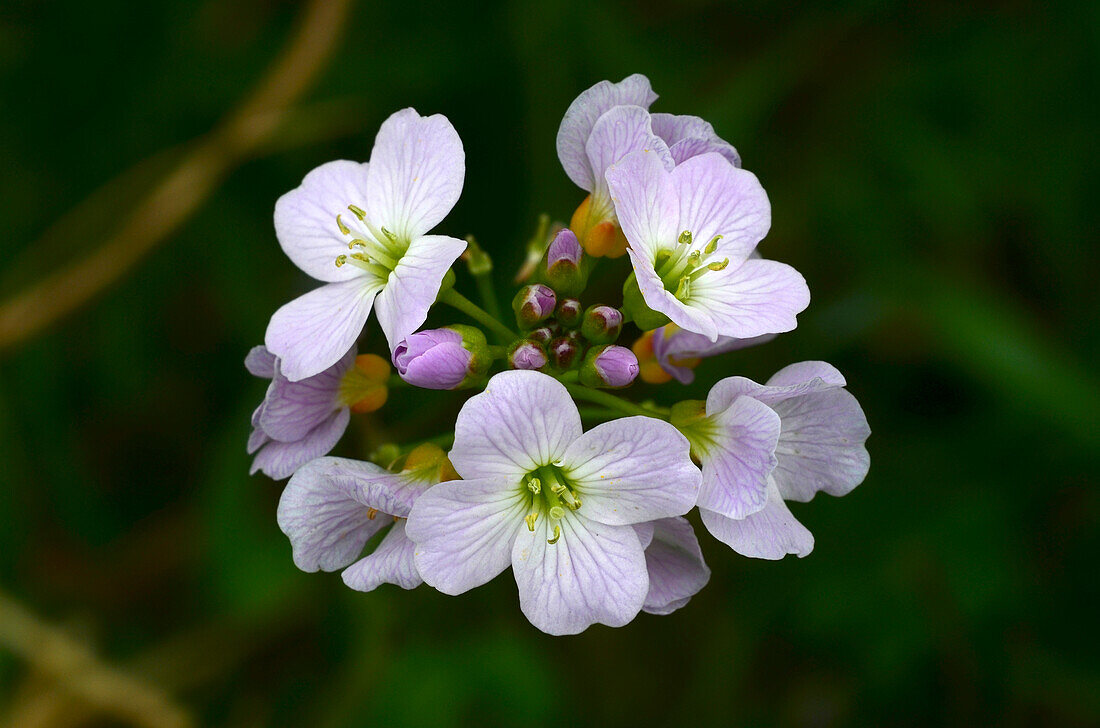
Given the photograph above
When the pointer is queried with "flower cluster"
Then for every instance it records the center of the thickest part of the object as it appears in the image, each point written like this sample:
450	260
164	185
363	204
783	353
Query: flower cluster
593	523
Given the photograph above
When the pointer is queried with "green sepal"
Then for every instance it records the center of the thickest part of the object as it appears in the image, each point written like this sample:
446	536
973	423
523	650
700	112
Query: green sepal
637	310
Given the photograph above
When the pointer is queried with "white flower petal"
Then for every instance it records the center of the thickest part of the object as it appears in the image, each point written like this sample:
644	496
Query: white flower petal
523	420
279	460
414	285
595	573
464	530
645	202
675	564
305	219
260	362
617	133
632	470
757	297
416	172
313	331
770	533
390	563
717	198
582	115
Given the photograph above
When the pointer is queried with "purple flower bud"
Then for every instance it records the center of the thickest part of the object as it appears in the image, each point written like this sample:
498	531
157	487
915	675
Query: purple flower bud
565	250
564	353
602	324
533	304
569	312
564	269
433	359
609	366
527	355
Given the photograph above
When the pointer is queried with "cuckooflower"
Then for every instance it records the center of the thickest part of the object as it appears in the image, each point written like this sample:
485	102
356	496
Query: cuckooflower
303	420
820	448
690	136
556	504
362	229
692	231
674	562
601	126
333	506
677	352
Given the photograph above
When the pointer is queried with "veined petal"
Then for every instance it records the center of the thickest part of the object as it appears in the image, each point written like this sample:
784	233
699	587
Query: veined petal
617	133
523	420
582	115
822	445
322	512
632	470
717	198
736	467
792	381
689	316
645	202
260	362
675	564
770	533
645	533
754	298
390	563
416	172
806	371
594	573
305	219
690	136
464	530
291	409
313	331
279	460
414	285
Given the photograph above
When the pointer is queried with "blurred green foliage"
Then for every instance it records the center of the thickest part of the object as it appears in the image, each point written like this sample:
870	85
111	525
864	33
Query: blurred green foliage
933	173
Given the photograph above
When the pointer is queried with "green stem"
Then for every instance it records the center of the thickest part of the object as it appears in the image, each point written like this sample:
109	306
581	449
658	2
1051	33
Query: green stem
488	294
611	401
451	297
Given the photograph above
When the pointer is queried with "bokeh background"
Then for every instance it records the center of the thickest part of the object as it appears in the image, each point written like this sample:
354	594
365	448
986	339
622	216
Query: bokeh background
933	173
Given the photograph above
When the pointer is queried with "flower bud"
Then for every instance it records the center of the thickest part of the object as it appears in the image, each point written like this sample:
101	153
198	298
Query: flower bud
569	312
602	324
443	358
564	353
597	231
609	366
533	304
527	354
544	334
564	269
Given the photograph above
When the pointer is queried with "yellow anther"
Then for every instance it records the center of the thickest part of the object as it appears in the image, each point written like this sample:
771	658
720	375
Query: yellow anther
343	228
388	234
534	485
682	288
557	535
357	243
712	245
694	258
530	520
371	513
719	266
685	238
557	488
557	512
340	260
360	257
357	212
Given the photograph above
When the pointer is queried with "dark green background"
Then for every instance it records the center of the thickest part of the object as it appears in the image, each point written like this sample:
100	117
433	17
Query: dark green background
933	174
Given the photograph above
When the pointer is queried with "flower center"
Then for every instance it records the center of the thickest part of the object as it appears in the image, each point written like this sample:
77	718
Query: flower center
684	263
374	249
550	494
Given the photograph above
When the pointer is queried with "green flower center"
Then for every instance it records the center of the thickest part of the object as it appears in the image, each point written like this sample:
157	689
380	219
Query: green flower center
679	266
375	249
550	494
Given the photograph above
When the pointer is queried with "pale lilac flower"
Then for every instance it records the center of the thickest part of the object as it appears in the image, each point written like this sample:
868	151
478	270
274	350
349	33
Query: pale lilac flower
433	359
362	229
600	127
556	504
690	136
692	231
820	448
297	421
674	562
333	506
678	351
532	304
